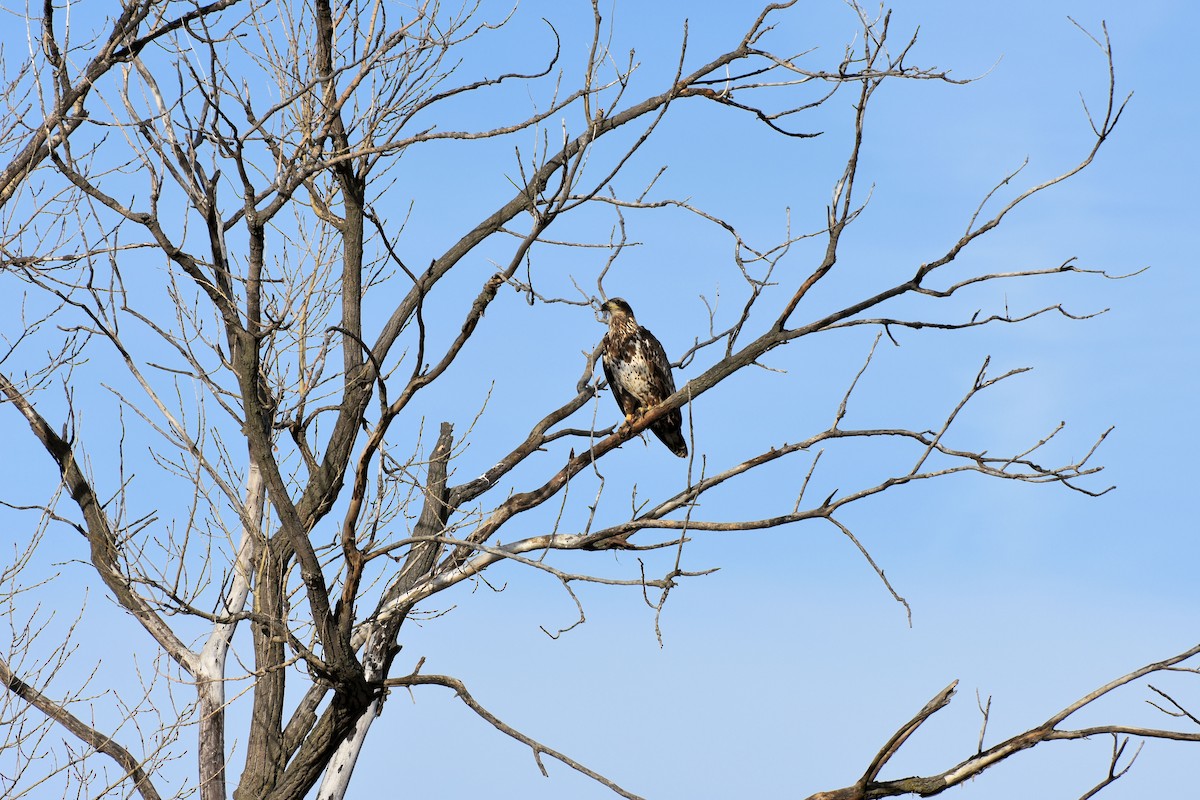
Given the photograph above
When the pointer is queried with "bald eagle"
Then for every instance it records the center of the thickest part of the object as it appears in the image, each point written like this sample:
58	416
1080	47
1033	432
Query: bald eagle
639	373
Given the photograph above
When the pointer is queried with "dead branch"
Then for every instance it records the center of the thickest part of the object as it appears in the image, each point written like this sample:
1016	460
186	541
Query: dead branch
85	733
537	747
870	787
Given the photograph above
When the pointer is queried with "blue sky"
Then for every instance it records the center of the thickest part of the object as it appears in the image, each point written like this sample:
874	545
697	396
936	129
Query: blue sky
783	673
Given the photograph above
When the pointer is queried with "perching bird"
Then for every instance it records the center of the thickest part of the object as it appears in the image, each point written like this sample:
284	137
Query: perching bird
639	373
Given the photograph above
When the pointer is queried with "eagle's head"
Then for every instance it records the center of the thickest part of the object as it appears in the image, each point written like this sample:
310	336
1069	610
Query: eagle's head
616	307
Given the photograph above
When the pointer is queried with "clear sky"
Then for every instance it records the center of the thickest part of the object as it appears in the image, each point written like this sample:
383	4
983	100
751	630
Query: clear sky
785	671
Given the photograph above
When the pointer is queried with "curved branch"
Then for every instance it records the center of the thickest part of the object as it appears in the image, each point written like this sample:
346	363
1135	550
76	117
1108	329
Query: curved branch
537	747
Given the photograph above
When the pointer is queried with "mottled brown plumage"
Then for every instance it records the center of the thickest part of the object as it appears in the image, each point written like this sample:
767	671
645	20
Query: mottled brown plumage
639	373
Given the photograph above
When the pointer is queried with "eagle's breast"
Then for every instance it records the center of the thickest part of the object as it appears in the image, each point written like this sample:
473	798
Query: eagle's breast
633	371
631	367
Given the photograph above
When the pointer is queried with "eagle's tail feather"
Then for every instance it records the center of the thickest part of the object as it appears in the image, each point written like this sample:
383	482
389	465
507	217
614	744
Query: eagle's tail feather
672	437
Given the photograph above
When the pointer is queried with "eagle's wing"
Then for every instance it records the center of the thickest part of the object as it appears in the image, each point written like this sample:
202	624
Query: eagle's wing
659	364
669	429
625	401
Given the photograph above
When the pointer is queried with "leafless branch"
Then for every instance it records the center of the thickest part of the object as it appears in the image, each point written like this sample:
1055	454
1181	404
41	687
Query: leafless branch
870	786
537	747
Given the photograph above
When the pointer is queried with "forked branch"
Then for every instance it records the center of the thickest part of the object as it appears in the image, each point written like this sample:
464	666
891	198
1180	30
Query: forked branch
869	786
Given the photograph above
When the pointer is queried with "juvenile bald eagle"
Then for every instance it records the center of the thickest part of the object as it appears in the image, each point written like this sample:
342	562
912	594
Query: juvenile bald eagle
639	373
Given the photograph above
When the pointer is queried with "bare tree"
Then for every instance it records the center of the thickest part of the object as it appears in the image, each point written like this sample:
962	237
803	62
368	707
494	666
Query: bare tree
229	342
